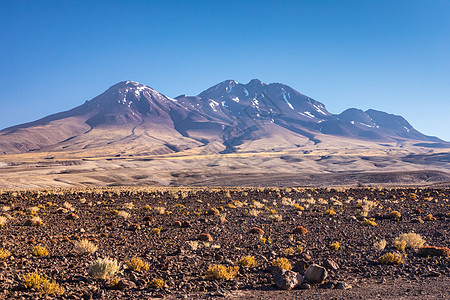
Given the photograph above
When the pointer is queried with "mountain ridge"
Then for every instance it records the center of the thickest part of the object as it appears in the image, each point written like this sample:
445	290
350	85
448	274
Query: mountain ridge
229	113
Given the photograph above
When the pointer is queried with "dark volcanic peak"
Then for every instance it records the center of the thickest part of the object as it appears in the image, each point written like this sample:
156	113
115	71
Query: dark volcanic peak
127	102
220	88
259	99
255	83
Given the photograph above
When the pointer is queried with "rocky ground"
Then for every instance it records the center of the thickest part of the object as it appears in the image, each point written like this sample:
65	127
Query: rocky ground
182	232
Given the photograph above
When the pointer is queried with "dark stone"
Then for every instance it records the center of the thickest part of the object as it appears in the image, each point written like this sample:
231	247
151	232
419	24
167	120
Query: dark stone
330	264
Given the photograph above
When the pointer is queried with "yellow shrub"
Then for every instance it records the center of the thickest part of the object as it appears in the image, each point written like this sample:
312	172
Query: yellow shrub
369	222
334	246
288	251
137	264
329	212
395	214
221	272
270	210
400	245
156	284
4	254
390	259
247	261
282	263
156	230
42	285
39	251
298	206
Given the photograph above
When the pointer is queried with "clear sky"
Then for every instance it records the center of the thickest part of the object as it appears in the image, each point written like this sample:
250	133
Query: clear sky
389	55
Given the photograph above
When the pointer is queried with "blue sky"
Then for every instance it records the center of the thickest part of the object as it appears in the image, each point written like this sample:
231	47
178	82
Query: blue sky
388	55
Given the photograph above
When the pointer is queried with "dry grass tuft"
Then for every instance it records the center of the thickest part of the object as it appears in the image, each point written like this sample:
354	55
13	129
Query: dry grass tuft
3	221
380	245
289	251
366	206
277	218
412	240
258	205
123	214
128	205
104	268
68	206
84	247
254	212
192	244
160	210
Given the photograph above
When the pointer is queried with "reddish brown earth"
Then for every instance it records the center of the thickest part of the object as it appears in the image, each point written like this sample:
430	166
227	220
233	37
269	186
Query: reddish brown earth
172	259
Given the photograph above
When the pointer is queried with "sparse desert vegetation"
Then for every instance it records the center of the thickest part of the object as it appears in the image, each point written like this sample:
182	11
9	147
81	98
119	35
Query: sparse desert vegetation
192	242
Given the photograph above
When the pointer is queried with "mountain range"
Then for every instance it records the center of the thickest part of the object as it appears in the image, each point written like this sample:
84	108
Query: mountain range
231	134
134	119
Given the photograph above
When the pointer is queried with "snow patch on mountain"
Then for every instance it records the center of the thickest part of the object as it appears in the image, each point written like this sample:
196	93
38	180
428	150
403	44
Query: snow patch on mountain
213	105
319	109
307	114
286	95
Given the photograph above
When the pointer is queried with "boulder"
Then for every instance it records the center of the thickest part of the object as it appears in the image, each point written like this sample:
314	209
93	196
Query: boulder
315	273
287	280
